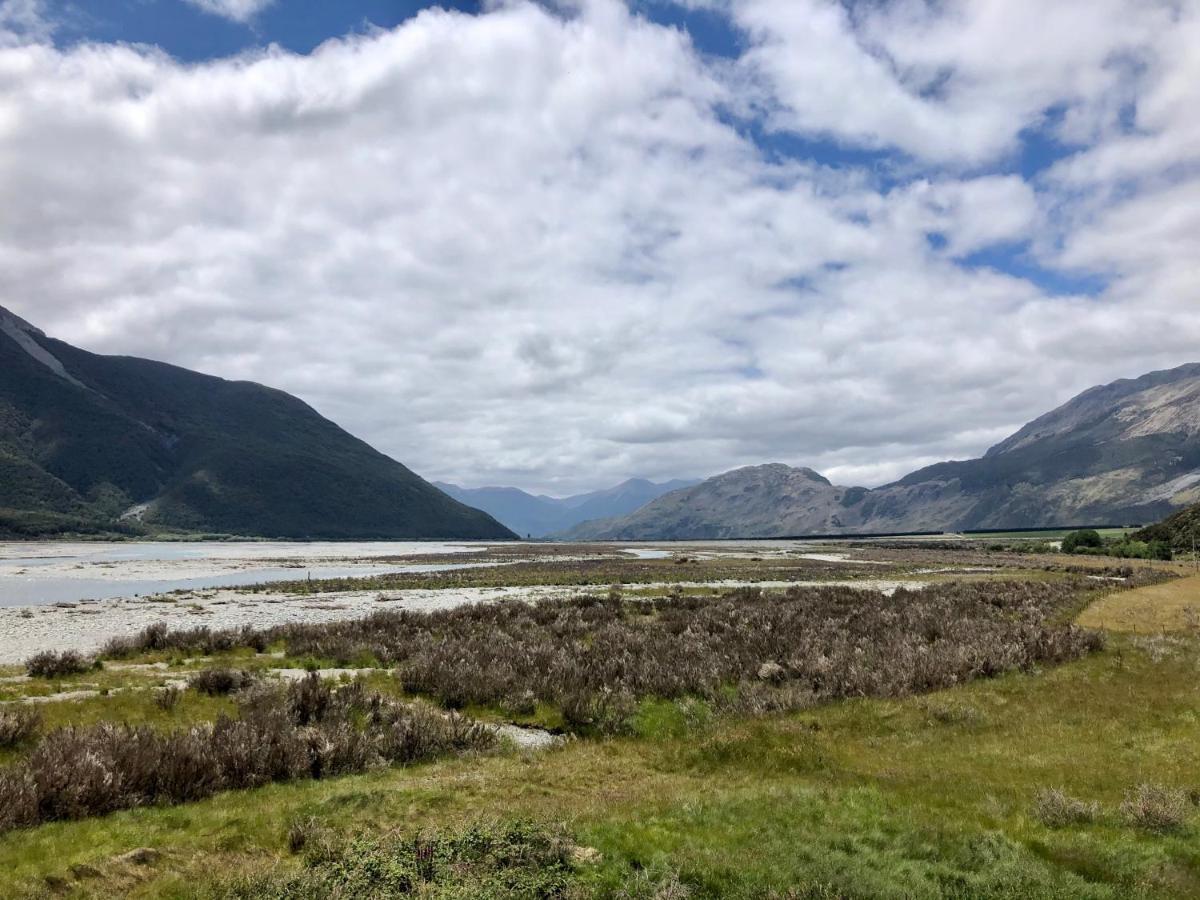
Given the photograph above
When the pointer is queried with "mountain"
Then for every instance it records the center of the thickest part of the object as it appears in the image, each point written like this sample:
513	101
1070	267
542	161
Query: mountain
537	515
1120	453
96	443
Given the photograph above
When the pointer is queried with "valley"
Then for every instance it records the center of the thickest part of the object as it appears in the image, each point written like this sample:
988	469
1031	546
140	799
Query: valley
666	712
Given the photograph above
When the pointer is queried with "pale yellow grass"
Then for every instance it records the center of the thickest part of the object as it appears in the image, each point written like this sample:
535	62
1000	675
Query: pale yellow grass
1171	606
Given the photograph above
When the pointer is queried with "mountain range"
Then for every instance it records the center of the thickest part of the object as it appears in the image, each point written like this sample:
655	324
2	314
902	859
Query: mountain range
110	443
1126	452
537	515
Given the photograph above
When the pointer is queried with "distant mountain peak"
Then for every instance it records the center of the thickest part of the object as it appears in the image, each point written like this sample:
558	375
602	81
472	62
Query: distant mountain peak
1132	401
778	470
1122	453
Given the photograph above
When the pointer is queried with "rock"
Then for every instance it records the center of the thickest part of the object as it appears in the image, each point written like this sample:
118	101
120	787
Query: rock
142	856
586	856
771	671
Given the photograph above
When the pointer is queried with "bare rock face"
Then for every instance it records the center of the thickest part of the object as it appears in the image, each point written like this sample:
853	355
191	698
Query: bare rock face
1123	453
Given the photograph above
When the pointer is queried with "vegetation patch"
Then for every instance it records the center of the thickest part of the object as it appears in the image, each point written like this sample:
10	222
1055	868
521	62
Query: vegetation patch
1055	808
595	657
1156	807
1171	606
17	726
304	730
515	861
49	664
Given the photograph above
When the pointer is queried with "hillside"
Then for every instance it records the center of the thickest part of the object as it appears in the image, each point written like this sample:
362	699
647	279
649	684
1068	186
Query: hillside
92	442
1127	452
537	515
1181	530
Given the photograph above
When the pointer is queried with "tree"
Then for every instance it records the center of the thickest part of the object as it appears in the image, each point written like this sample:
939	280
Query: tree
1085	539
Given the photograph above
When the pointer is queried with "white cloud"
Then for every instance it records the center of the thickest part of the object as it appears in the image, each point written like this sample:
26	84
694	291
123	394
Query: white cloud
24	21
235	10
532	248
948	83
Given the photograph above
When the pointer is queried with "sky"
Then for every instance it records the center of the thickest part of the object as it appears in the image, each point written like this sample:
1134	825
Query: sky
555	245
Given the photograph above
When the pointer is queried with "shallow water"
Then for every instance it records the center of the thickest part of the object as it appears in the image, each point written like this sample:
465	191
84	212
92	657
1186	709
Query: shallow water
40	574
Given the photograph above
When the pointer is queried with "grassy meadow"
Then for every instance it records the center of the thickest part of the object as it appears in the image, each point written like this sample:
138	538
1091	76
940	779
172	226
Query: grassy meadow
1066	774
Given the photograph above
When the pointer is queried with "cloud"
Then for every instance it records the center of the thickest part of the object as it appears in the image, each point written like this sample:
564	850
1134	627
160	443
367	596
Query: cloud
24	21
234	10
948	83
542	247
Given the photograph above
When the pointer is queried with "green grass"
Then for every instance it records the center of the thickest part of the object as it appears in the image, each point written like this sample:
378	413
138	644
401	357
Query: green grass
923	797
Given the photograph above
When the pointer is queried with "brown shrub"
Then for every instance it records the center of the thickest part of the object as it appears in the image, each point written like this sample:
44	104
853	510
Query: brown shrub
17	726
220	682
1054	808
1155	807
78	772
49	664
593	656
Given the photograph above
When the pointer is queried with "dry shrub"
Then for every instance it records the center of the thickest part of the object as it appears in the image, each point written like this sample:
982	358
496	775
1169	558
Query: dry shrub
220	682
594	656
167	698
1156	807
1054	808
17	726
303	730
307	833
49	664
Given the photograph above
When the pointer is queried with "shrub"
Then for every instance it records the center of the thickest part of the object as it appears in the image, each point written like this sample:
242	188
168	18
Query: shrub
304	730
220	682
167	698
594	656
1086	538
49	664
1155	807
306	834
17	726
1055	808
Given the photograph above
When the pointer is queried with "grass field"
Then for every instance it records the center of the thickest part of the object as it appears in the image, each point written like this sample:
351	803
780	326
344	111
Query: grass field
1171	606
935	795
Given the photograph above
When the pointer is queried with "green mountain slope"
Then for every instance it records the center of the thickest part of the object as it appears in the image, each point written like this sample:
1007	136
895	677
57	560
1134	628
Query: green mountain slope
117	441
1181	530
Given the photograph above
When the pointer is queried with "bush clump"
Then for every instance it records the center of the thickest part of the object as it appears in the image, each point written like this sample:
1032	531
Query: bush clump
1155	807
49	664
1087	538
17	726
302	730
1055	808
595	657
220	682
